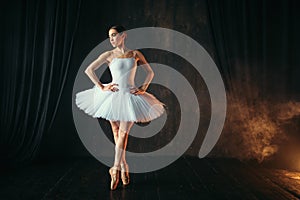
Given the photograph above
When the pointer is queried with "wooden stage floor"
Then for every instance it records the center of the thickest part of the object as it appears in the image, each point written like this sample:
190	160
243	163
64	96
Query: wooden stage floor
188	178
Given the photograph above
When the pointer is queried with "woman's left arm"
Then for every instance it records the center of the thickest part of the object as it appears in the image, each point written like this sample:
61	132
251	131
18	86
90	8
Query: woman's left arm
150	74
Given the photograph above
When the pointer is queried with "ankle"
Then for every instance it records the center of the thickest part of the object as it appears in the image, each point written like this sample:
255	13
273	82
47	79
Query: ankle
123	164
124	167
116	167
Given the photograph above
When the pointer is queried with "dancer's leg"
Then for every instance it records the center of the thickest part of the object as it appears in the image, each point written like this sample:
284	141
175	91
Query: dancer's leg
121	143
120	130
115	129
124	166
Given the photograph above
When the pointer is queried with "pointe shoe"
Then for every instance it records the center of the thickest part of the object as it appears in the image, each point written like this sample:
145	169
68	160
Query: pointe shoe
125	174
114	174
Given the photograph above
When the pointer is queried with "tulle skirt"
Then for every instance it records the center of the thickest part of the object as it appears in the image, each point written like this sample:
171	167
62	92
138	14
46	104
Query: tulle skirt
120	105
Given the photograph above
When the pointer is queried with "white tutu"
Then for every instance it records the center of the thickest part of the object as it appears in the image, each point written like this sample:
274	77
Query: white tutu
120	105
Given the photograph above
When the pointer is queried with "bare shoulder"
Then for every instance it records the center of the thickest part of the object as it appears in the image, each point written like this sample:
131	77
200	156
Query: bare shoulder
105	55
137	53
139	56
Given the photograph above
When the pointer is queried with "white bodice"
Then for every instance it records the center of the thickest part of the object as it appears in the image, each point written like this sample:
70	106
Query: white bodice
123	72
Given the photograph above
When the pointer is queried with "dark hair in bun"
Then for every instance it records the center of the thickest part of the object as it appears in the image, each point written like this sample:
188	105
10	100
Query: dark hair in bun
118	28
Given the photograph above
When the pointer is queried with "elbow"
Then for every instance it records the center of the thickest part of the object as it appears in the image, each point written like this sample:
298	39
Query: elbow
152	74
87	71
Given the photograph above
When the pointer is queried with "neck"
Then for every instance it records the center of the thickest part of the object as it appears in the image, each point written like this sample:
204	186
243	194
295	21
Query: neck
121	48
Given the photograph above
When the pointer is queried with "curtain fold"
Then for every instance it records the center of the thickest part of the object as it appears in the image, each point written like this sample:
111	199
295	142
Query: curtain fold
256	44
38	43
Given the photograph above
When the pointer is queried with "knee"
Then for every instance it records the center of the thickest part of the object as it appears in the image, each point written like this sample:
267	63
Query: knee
122	133
115	130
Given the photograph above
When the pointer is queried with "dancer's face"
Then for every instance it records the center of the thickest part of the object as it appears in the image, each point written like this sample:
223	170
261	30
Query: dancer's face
115	38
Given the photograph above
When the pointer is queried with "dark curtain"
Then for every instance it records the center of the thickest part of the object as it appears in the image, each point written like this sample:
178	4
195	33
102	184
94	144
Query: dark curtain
256	46
36	46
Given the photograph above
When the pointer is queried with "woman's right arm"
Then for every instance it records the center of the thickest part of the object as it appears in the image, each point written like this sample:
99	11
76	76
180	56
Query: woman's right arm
90	70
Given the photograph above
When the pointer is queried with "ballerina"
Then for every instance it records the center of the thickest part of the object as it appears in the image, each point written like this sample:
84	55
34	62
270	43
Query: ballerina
120	102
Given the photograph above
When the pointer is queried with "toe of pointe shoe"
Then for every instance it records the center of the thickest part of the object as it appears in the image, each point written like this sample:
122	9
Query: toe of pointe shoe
125	174
114	174
125	178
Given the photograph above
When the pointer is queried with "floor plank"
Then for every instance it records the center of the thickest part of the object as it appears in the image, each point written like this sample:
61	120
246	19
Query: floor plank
186	178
